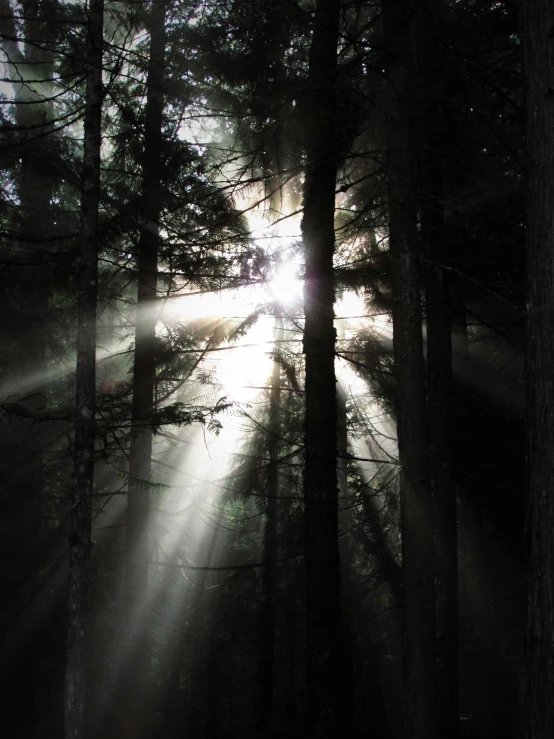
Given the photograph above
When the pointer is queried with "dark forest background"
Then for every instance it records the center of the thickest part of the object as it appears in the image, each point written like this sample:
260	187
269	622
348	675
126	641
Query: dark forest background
342	550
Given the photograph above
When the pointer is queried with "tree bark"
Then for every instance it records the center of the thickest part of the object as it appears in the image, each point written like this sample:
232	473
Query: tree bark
538	18
188	651
411	411
144	370
25	297
439	370
320	480
81	512
138	551
346	562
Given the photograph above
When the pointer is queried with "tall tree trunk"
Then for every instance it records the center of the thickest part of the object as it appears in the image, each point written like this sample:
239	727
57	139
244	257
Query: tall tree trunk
346	562
439	370
214	688
25	294
415	494
538	17
138	552
320	481
30	71
81	510
144	371
196	705
269	573
188	649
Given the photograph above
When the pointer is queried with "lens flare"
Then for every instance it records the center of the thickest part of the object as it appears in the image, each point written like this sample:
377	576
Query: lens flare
286	286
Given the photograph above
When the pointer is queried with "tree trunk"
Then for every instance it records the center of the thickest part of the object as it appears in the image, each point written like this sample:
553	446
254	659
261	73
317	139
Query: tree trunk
81	512
538	19
206	605
138	552
269	573
30	71
144	371
25	294
320	481
415	494
348	588
214	688
188	650
439	371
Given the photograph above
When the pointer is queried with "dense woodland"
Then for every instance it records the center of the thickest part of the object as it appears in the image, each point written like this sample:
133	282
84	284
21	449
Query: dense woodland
277	387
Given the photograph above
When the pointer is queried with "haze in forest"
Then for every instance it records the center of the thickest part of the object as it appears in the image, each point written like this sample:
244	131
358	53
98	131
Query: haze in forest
277	354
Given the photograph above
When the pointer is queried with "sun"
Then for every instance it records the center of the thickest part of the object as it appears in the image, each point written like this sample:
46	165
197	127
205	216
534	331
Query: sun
286	286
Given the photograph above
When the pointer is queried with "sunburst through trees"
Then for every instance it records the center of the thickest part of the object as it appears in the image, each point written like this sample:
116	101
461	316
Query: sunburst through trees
297	232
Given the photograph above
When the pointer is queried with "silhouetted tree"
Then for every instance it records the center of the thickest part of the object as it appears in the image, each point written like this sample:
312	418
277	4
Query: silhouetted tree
411	411
81	510
320	474
431	133
139	545
538	31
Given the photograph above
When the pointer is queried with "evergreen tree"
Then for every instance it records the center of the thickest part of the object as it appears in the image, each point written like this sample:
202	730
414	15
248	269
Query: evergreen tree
80	537
538	19
431	134
138	543
320	474
411	413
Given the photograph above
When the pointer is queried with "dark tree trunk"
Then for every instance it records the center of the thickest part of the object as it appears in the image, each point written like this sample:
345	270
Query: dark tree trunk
81	510
35	182
25	296
188	650
346	562
439	370
379	546
320	481
538	19
292	698
214	688
139	548
269	573
415	493
206	606
144	371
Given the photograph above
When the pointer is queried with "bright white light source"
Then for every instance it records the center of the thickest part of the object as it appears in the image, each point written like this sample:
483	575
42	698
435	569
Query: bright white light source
286	286
350	306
